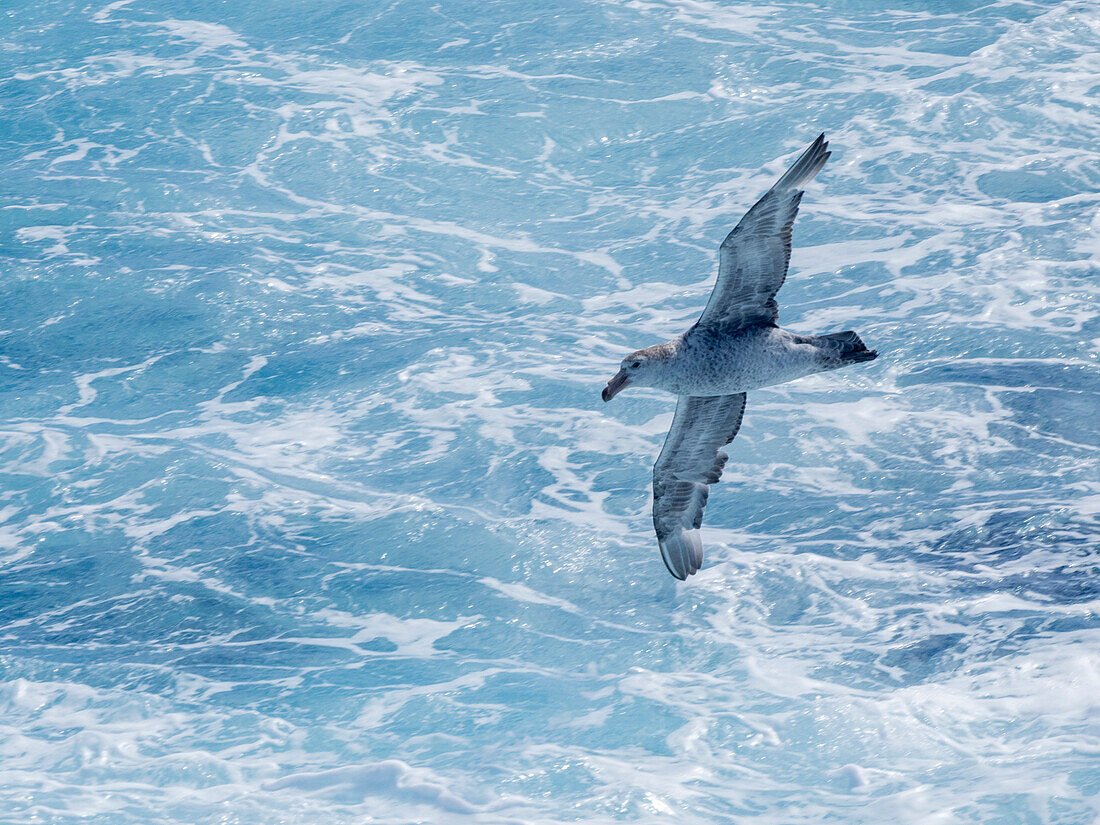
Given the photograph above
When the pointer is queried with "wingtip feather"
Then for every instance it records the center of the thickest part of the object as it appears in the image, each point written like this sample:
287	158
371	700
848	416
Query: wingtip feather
807	166
682	553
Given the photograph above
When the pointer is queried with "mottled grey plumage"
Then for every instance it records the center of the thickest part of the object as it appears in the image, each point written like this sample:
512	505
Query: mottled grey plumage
735	346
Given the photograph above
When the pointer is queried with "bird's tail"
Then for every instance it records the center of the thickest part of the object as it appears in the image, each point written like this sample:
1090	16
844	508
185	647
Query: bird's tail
847	347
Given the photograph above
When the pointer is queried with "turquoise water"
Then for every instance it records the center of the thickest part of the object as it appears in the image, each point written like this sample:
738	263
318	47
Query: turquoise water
312	512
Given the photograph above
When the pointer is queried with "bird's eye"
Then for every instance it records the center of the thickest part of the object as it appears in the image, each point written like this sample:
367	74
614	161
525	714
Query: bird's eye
635	365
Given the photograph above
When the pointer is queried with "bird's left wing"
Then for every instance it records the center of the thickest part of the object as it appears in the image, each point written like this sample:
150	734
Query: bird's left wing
690	462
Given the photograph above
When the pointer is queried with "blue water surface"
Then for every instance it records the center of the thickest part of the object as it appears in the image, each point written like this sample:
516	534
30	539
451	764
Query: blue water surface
312	512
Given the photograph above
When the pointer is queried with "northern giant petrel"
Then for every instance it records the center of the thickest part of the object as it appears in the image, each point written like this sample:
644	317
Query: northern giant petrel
735	346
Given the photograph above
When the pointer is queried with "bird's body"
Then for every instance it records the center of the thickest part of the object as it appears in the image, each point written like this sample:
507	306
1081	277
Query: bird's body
735	346
719	361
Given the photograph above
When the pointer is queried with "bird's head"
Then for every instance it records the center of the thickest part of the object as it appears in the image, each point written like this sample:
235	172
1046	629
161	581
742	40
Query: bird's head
637	369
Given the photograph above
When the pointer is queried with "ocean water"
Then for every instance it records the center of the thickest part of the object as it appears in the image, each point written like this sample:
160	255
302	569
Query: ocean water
312	512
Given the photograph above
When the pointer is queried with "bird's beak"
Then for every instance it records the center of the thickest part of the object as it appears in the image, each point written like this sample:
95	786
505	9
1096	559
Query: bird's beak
615	385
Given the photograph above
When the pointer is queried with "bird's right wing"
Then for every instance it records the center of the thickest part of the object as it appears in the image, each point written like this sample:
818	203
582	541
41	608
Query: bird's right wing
690	462
753	259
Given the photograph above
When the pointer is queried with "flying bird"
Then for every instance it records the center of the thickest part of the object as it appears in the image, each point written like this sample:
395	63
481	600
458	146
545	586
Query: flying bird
735	346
